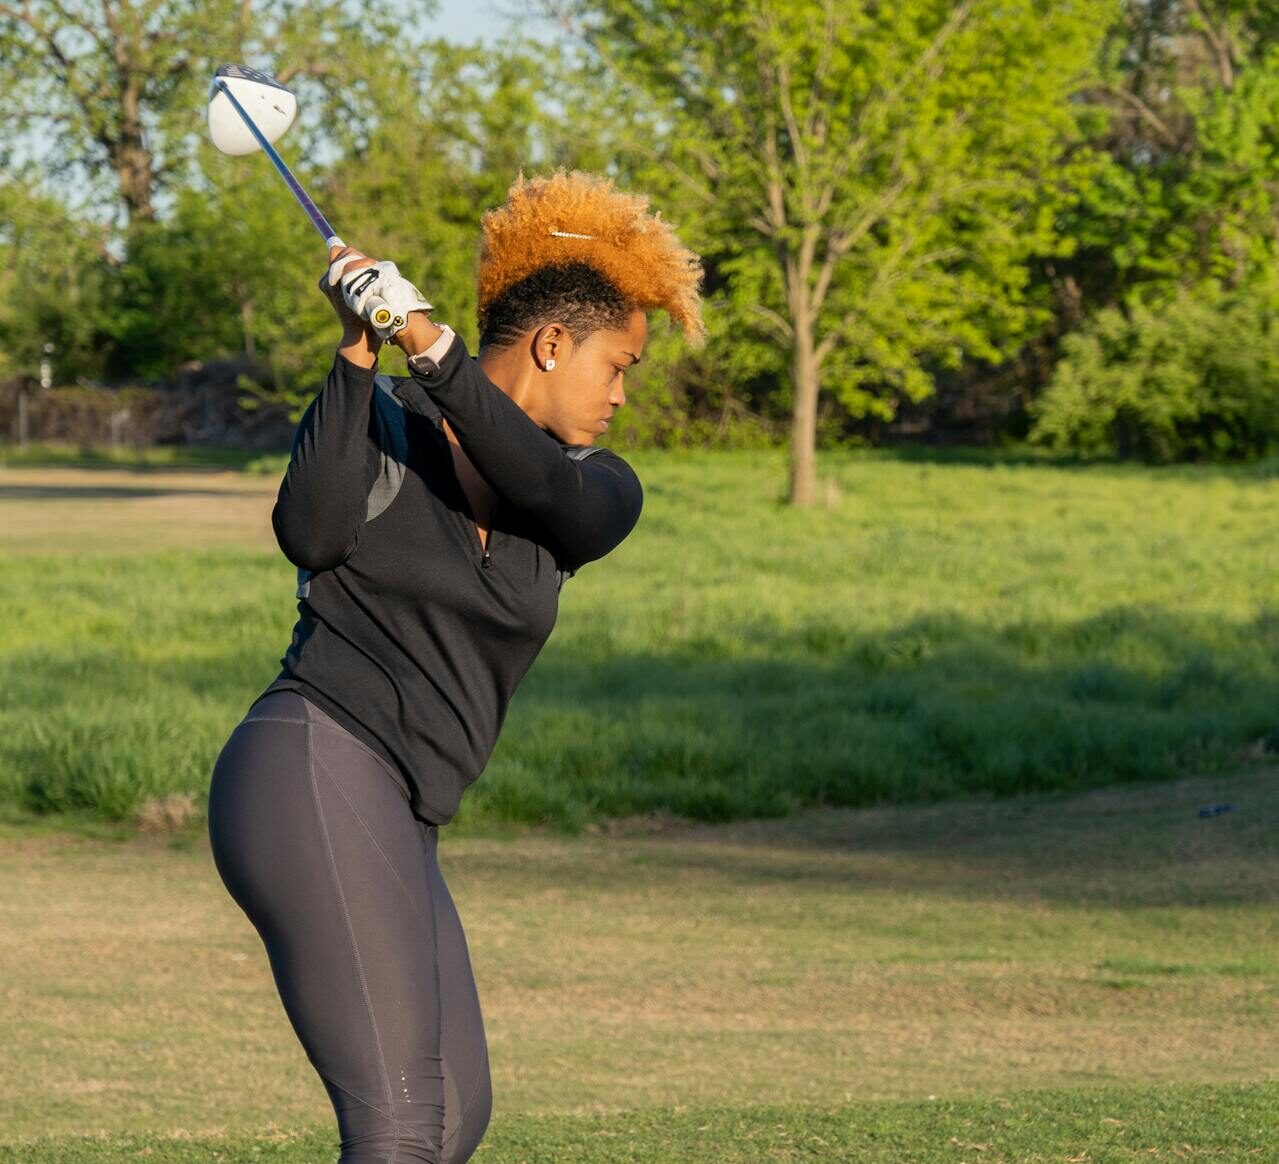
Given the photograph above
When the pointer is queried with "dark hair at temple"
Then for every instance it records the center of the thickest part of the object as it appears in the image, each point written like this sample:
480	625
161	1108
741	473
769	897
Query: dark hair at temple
574	294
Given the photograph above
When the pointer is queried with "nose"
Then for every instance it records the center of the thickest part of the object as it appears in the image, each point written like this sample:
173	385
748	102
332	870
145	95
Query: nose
618	396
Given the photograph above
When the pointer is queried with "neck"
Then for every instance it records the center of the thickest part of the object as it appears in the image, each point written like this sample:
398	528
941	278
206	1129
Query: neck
514	375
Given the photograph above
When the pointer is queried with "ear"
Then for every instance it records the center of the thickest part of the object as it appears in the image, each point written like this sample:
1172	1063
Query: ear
551	341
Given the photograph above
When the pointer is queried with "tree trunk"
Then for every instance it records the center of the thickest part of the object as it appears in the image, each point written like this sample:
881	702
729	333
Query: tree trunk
246	323
803	440
134	171
134	166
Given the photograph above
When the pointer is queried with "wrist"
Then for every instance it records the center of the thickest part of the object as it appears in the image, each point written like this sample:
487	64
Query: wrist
417	335
360	348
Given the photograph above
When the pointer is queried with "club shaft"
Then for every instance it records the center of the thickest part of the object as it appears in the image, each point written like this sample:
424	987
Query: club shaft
375	309
304	199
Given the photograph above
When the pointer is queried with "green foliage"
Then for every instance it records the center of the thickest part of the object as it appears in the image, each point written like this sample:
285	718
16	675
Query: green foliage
868	181
124	85
233	269
1173	282
954	629
55	285
884	195
1195	377
1205	209
679	398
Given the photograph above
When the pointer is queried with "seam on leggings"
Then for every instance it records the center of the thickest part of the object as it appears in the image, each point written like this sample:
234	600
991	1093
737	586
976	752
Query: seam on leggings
432	928
381	851
361	1100
351	738
346	734
355	950
466	1105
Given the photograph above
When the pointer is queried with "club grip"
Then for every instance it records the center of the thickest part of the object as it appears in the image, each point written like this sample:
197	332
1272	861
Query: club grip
377	312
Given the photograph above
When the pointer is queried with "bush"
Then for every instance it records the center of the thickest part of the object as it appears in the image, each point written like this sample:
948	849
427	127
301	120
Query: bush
1196	378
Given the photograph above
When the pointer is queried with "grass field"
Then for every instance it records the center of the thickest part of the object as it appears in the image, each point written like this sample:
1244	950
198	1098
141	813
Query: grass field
936	629
1045	978
1005	933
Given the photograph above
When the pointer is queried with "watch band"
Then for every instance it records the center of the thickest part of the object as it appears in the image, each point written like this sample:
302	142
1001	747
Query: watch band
429	361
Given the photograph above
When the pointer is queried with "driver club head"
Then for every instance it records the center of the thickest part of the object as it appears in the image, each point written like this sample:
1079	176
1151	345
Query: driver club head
271	106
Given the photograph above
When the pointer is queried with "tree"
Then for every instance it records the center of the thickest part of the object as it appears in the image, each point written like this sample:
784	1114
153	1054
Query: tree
54	284
122	83
876	175
1190	92
1175	280
231	265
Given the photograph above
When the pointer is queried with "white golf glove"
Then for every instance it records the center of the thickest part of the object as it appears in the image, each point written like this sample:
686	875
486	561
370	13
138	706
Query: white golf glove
378	292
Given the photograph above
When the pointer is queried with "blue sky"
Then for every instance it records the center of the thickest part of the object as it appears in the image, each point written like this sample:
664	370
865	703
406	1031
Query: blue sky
485	20
468	20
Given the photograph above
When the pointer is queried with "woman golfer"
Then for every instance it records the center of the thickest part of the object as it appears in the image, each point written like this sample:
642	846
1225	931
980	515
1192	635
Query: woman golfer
432	518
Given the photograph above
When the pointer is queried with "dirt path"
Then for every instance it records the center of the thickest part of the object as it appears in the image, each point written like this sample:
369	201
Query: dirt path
126	510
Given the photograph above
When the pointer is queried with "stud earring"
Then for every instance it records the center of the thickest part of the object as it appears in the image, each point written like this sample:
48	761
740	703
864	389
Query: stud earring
550	365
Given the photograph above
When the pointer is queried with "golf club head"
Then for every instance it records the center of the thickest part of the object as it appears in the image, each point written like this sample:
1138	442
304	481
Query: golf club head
271	106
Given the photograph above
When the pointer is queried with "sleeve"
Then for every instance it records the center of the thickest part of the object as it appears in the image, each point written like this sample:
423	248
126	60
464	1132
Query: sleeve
323	499
587	506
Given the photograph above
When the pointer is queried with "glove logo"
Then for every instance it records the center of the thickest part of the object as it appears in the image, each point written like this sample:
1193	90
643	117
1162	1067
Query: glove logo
362	281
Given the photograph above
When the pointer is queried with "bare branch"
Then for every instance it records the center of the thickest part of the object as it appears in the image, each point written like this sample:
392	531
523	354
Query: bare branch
1219	44
703	193
29	115
818	100
842	241
829	340
1146	113
781	325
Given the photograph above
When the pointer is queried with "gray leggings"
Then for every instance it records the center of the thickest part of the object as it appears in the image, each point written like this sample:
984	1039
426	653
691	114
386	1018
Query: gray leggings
313	837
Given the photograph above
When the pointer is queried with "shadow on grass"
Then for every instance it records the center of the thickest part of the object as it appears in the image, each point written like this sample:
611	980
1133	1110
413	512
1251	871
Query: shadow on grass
1131	846
147	458
758	720
97	492
939	707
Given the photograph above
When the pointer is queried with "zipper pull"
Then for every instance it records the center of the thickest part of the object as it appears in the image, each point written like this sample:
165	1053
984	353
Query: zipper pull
486	561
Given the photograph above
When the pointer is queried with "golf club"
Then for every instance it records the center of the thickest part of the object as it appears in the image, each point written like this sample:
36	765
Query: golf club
236	90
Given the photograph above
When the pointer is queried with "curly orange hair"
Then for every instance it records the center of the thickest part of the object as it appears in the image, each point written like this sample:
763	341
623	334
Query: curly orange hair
576	217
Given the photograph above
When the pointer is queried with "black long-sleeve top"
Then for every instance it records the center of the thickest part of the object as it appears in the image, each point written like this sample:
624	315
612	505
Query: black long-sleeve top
411	634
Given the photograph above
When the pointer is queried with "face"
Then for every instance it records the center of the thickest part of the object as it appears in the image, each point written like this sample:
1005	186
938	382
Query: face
585	387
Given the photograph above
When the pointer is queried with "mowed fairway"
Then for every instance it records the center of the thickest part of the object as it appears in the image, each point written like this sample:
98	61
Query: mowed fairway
1092	978
1088	973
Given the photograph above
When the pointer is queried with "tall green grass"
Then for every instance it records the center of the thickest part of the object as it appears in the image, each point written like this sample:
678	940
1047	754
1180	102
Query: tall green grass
935	629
